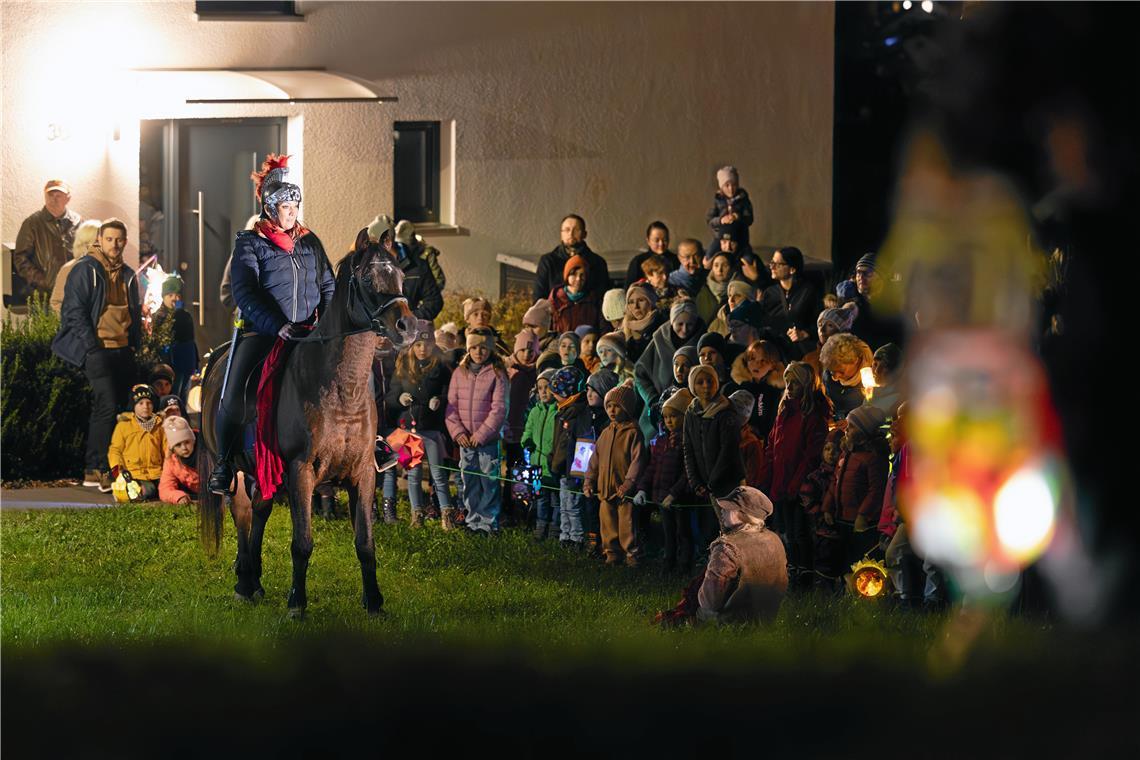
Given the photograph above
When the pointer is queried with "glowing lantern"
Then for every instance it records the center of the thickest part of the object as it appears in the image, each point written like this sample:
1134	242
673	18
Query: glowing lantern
867	377
869	578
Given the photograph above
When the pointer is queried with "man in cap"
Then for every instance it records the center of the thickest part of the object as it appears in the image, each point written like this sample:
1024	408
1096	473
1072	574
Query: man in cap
420	286
43	244
406	235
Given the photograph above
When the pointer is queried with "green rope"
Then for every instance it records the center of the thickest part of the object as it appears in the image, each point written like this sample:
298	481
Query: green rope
479	474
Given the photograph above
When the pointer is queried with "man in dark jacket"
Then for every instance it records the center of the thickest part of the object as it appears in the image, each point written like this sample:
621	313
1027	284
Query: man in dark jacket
99	331
43	244
870	324
550	266
420	286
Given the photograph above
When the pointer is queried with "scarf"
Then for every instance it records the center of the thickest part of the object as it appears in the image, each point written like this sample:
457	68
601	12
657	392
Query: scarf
636	327
719	289
718	404
147	425
283	239
574	297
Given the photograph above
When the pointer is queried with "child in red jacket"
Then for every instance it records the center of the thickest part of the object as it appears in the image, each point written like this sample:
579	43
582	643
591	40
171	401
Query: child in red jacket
794	448
751	447
855	498
179	481
823	551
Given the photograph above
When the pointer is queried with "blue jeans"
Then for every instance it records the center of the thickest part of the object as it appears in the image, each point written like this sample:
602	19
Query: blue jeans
547	504
571	506
433	453
481	486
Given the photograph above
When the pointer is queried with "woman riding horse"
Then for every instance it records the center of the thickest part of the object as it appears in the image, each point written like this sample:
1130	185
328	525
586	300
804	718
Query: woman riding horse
282	282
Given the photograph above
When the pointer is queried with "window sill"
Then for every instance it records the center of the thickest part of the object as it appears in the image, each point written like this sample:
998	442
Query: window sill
434	229
247	17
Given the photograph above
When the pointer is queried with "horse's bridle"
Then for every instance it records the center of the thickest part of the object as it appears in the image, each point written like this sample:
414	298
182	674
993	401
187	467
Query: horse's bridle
364	308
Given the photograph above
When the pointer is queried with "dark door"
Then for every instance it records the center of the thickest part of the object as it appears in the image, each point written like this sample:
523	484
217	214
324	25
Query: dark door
215	200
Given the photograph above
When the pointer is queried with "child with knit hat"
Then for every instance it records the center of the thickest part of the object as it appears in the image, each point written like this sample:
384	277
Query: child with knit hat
477	315
179	482
138	444
751	447
612	355
537	320
664	482
588	341
172	332
853	502
613	307
738	292
711	443
573	420
522	375
563	353
731	211
598	385
571	303
617	464
538	439
476	409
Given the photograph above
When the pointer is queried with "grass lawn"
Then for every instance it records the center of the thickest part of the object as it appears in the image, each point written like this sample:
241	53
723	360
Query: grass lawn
98	595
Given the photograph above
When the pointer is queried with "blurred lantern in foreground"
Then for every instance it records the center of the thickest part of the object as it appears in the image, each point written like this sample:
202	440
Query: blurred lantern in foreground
153	277
869	578
986	471
867	378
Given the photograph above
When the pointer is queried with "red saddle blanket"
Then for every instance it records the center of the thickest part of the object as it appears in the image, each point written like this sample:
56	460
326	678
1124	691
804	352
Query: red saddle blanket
267	454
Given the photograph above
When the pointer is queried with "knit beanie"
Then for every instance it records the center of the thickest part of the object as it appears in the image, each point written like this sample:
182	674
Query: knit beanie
602	381
547	375
842	318
613	304
168	401
176	430
866	261
162	372
740	288
425	331
614	341
572	336
583	330
801	372
703	369
625	397
646	290
378	226
526	337
748	312
744	402
682	307
715	341
475	337
140	392
572	263
567	381
678	402
405	232
539	314
750	504
172	284
890	355
868	419
689	352
472	305
725	173
846	290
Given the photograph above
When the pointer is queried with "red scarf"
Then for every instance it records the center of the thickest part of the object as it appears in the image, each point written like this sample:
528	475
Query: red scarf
283	239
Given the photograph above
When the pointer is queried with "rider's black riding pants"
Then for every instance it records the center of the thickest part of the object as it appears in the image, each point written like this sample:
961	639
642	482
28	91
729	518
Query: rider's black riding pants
252	349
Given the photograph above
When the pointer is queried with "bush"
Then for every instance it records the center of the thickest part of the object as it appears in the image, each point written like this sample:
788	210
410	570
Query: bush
44	401
506	312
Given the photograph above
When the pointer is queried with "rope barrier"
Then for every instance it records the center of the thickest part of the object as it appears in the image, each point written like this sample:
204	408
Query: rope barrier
479	474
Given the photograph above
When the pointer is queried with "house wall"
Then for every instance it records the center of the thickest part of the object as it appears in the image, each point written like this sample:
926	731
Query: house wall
620	112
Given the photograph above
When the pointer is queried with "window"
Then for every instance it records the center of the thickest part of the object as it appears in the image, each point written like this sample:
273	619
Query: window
246	9
416	171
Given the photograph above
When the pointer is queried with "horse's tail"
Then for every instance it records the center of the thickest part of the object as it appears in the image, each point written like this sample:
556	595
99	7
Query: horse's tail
210	507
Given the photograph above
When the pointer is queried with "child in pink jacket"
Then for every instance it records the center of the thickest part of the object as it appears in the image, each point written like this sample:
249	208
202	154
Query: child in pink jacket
476	410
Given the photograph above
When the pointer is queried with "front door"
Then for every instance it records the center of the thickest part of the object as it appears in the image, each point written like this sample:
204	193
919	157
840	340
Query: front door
208	196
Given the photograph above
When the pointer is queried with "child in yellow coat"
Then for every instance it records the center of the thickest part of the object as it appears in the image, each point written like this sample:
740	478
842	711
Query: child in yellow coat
138	444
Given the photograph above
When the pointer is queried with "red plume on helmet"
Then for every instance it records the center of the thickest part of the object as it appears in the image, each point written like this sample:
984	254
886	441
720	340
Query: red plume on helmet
272	161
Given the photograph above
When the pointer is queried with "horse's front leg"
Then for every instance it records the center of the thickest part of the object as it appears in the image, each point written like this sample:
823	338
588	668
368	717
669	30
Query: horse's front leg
361	498
302	481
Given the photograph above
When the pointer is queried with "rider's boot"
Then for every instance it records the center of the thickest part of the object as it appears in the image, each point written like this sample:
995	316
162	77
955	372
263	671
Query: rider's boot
223	473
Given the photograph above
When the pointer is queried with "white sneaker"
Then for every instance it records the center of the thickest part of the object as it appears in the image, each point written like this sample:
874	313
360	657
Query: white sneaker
91	478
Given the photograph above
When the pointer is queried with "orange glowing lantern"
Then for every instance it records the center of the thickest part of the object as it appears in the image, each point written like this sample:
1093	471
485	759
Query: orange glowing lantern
869	578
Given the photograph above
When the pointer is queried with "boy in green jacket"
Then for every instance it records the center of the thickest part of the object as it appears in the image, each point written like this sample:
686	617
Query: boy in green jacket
538	439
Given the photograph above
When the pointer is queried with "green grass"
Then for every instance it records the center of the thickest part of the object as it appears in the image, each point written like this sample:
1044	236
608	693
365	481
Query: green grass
136	575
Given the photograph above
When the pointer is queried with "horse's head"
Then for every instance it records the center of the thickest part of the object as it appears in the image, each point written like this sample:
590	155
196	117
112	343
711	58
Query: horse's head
377	296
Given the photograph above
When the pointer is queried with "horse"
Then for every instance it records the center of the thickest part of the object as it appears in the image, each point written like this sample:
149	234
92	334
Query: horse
326	424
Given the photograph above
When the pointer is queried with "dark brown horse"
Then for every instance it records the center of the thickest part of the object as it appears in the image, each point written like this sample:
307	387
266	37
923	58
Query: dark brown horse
326	424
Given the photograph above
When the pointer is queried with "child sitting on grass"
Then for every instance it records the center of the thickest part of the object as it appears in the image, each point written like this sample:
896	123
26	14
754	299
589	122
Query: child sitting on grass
664	482
179	481
138	444
538	439
614	470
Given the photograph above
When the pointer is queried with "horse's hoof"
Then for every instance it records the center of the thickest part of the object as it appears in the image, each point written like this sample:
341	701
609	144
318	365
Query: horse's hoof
251	599
258	594
296	613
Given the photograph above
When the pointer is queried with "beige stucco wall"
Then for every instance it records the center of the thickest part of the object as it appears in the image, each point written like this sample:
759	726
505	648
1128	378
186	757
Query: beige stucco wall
620	112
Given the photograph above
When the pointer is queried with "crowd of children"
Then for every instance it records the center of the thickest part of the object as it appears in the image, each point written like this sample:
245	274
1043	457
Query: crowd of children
637	414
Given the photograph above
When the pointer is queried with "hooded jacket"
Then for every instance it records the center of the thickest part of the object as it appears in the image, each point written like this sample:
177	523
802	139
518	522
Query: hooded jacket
139	451
618	461
795	448
477	403
538	434
272	287
654	370
712	446
85	295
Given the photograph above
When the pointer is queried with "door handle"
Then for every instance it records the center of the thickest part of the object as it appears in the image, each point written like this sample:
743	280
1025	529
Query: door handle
201	302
